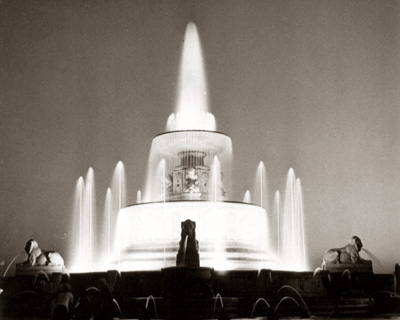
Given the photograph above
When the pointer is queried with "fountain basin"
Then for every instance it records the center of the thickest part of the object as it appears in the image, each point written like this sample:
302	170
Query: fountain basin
231	235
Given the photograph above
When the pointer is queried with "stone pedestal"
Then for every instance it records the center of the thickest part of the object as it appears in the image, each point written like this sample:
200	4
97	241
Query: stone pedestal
190	259
365	266
186	282
27	270
187	291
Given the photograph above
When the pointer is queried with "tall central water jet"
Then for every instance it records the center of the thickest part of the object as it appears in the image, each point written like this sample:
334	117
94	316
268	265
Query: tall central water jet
192	81
192	105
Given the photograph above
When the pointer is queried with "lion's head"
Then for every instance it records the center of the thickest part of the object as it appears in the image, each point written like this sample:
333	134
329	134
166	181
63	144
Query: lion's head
30	246
356	242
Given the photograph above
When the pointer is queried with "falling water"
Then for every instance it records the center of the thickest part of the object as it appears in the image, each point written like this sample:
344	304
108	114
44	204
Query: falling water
164	179
260	190
109	215
118	188
276	215
256	303
84	208
139	197
118	185
260	196
291	227
373	257
300	222
80	188
160	183
76	250
89	209
287	227
216	180
11	262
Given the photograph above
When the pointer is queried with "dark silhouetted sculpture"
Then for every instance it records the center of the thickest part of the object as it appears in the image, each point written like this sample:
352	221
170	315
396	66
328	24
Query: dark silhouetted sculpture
188	254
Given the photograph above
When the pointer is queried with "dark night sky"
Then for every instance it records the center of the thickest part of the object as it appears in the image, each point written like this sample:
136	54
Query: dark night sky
308	85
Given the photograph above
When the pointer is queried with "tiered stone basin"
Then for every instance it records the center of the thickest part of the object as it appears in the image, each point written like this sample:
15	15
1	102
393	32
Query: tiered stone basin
231	235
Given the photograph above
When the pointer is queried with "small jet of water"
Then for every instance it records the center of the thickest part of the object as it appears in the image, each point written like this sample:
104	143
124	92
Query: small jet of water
372	256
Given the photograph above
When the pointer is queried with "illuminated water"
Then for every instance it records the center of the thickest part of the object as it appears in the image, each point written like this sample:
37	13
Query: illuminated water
190	176
80	212
216	190
228	233
260	192
118	185
275	224
292	238
108	217
247	197
83	222
87	221
192	102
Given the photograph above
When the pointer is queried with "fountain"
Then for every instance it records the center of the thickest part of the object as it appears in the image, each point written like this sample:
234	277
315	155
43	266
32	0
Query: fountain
260	188
189	176
83	221
292	238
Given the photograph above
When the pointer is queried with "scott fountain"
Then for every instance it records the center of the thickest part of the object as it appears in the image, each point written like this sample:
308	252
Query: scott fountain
186	249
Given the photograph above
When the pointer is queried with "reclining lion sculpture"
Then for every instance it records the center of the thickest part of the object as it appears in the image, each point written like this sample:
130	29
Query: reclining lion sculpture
347	254
39	257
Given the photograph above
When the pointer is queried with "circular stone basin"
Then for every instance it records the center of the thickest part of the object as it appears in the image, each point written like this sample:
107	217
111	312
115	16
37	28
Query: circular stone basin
231	235
187	282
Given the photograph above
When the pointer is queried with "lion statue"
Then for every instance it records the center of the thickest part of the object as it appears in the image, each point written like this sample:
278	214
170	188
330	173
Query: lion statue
188	254
39	257
347	254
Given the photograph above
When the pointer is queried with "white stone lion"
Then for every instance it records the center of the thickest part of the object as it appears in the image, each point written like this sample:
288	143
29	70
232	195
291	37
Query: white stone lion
39	257
347	254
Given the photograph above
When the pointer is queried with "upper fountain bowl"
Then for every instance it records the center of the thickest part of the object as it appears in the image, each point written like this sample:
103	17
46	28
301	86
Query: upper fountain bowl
174	142
189	164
